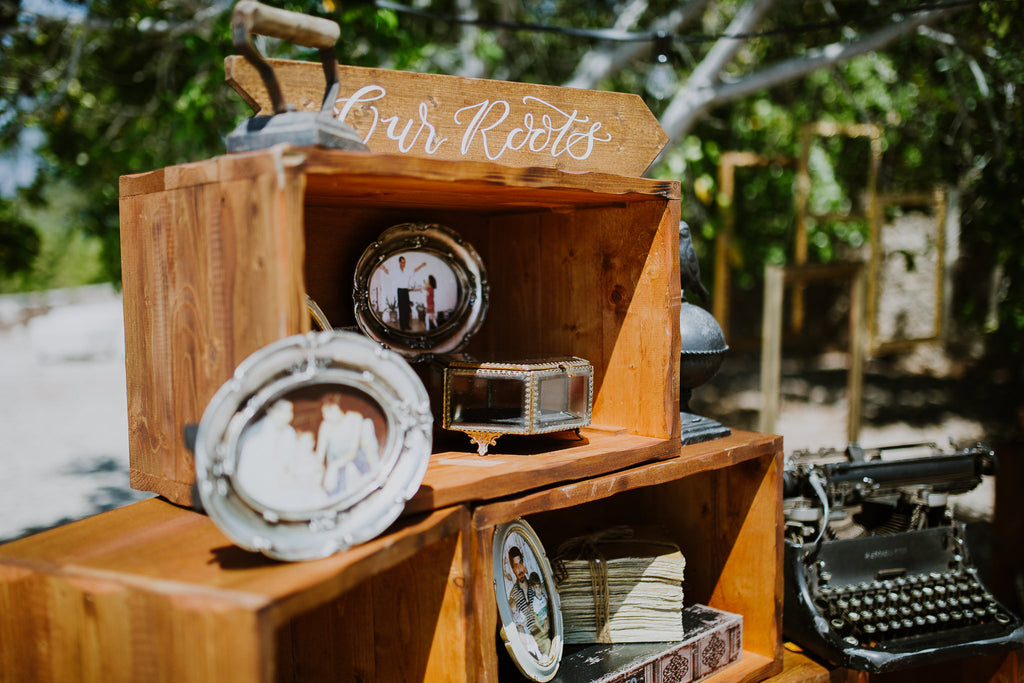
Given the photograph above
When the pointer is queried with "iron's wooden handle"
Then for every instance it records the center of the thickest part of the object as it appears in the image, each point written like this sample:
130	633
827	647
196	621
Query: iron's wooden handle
294	27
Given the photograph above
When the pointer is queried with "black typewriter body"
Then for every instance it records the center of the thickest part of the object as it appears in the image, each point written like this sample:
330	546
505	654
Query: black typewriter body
887	582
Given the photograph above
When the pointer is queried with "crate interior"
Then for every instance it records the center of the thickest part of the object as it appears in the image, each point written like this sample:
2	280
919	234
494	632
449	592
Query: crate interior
577	281
724	522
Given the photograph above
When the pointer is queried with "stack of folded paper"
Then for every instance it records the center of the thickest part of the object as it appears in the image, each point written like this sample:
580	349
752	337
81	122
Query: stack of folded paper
619	587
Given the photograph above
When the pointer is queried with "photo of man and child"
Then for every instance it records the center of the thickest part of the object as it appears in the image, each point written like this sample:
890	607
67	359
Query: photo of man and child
528	599
413	292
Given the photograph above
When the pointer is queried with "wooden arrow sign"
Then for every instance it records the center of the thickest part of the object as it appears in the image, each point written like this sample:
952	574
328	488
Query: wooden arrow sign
454	118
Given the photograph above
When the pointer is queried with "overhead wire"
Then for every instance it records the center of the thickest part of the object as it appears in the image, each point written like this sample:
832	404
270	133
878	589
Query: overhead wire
620	35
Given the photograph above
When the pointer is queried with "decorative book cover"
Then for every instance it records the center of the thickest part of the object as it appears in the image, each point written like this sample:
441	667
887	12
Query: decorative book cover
714	639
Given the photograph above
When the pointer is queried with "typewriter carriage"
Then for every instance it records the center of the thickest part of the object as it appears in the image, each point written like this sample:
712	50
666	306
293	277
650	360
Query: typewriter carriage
870	495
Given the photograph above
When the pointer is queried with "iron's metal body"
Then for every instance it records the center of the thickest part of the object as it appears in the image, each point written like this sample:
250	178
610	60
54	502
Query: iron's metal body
285	124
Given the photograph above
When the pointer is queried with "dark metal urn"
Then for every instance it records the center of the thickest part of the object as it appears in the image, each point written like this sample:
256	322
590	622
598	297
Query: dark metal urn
703	350
703	347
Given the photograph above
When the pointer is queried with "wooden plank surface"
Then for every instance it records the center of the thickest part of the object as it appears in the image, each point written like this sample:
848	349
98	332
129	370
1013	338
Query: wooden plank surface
155	592
165	549
470	119
797	667
692	459
332	173
519	464
212	271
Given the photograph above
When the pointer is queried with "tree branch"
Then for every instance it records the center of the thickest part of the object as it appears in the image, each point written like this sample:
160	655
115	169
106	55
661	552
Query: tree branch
600	63
704	89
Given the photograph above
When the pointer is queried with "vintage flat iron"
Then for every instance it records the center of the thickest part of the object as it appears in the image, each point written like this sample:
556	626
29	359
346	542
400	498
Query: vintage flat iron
286	125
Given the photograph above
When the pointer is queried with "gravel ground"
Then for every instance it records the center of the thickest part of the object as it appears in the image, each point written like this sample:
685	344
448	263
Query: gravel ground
64	451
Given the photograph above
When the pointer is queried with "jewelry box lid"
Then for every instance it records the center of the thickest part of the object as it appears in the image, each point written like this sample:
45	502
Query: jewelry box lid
528	604
420	289
517	364
314	445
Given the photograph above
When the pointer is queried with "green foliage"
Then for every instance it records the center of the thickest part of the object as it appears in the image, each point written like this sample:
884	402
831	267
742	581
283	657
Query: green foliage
127	87
48	251
19	242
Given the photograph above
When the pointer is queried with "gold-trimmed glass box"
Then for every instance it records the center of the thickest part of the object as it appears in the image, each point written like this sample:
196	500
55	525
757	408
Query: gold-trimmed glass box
489	398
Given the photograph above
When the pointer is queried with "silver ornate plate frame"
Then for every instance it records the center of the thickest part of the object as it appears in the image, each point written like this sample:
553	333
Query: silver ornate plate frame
314	445
531	626
420	289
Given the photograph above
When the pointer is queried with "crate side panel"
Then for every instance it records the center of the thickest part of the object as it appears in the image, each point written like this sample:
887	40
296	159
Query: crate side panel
640	289
424	636
146	233
213	274
331	642
81	627
407	622
728	521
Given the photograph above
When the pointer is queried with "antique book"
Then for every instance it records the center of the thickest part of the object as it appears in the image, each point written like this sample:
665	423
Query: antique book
714	639
620	586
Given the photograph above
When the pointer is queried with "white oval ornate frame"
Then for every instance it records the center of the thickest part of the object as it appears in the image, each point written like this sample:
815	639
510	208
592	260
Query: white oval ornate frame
431	250
524	648
257	475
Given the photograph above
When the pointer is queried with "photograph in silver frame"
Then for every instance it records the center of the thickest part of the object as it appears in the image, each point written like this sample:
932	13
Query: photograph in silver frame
420	288
528	603
313	446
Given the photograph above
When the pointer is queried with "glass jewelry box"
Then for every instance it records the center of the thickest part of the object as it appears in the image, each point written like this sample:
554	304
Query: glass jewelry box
489	398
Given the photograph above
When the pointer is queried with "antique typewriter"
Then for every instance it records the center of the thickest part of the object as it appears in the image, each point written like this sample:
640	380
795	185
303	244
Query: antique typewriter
877	573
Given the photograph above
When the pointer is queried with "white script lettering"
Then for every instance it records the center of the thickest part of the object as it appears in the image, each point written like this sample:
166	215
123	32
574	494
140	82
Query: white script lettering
543	128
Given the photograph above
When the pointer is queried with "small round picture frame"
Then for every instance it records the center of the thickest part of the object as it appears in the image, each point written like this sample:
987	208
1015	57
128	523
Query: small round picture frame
420	289
314	445
528	603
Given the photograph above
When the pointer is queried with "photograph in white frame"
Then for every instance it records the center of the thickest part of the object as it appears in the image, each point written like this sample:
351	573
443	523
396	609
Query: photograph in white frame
314	445
527	599
414	292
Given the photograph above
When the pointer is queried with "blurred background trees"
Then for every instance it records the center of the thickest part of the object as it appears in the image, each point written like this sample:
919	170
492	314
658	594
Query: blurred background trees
93	90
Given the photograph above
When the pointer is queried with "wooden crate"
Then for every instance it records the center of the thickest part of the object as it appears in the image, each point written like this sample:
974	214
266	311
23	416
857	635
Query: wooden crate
218	256
153	592
720	501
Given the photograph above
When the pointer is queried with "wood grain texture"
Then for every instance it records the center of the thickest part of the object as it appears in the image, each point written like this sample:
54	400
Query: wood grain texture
218	256
212	271
523	463
470	119
154	592
797	667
